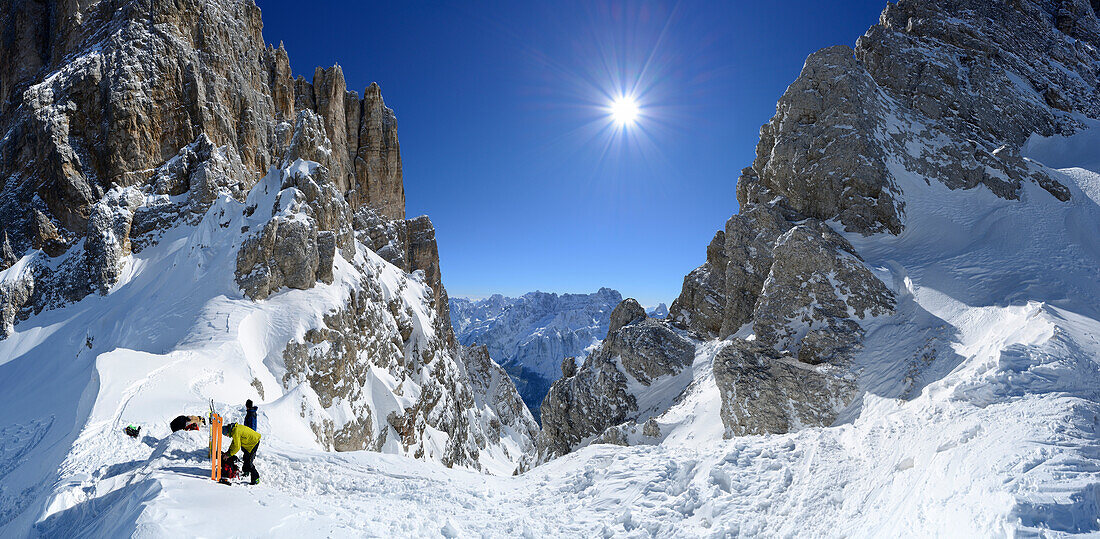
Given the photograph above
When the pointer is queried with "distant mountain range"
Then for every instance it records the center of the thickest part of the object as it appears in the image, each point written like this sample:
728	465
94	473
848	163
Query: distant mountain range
531	335
660	311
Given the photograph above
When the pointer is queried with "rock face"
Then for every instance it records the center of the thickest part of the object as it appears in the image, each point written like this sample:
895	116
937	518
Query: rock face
329	357
720	296
492	389
159	97
602	393
460	392
410	245
108	237
970	81
944	93
14	293
764	391
125	122
797	371
7	254
815	292
939	92
532	334
310	220
627	312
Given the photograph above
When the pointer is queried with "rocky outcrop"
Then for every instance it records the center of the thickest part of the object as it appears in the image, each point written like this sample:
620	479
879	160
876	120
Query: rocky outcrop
837	139
111	91
798	369
939	92
15	292
409	244
371	332
493	390
815	294
310	221
332	358
202	170
648	350
767	392
948	92
702	299
626	312
108	238
947	95
582	406
992	72
378	157
820	151
599	397
719	296
423	256
568	367
154	96
7	254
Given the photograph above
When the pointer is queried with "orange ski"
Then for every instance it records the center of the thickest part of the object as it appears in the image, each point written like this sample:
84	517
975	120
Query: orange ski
215	446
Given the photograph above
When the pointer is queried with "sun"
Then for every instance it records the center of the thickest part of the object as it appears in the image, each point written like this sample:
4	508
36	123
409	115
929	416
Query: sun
624	111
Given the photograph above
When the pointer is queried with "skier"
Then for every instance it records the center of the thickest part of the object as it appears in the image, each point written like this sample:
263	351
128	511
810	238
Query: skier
250	414
247	440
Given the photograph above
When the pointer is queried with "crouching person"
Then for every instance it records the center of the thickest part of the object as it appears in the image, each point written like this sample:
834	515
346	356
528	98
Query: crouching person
247	440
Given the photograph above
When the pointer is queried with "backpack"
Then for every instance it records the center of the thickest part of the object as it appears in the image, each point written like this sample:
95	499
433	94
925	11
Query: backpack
178	423
230	470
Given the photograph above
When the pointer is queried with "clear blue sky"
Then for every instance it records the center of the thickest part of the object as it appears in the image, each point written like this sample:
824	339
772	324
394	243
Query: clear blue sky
506	143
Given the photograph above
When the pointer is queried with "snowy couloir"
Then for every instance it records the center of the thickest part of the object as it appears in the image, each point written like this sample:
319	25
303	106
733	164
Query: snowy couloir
897	335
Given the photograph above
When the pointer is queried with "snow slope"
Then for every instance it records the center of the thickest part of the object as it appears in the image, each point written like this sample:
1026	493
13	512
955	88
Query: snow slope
997	436
175	333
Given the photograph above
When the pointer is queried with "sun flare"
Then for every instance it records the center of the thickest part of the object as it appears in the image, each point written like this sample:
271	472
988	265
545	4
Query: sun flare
624	111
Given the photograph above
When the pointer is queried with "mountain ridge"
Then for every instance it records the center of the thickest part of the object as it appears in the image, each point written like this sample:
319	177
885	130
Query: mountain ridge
531	335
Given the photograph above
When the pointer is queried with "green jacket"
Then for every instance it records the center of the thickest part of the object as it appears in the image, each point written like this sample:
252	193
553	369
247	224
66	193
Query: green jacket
243	437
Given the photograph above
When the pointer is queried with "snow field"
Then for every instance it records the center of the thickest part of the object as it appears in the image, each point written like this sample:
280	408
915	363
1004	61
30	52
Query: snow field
979	415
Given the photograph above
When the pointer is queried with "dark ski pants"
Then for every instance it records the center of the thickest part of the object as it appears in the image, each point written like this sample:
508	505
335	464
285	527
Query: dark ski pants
249	466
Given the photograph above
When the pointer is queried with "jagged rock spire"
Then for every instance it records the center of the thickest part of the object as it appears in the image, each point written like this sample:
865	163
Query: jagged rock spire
7	254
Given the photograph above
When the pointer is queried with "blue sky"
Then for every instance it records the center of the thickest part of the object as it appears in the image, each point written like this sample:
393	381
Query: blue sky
506	140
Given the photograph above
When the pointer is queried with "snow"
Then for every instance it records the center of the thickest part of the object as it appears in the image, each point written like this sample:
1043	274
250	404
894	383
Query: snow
1080	150
978	417
172	335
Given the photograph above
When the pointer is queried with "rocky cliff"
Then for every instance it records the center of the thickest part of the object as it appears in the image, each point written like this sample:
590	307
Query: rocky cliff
128	122
946	91
179	100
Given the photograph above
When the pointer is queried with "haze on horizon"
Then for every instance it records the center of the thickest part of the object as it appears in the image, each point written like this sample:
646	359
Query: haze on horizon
517	141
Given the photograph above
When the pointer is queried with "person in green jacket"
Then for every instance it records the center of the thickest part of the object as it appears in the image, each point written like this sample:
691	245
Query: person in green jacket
247	440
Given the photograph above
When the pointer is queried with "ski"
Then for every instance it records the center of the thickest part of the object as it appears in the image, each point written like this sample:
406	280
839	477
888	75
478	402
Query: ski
215	444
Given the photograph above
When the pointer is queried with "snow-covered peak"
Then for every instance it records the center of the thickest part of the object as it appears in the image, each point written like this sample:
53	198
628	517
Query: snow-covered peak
536	330
660	311
531	335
